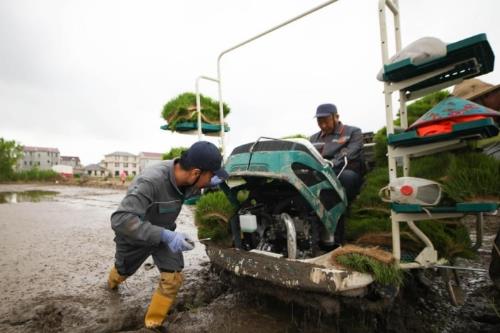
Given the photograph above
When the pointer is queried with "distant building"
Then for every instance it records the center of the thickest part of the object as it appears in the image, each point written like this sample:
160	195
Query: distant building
40	157
95	170
146	159
119	161
79	171
73	161
64	170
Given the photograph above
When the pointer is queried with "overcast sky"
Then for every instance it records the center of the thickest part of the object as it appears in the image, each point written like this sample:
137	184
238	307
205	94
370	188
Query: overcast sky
91	77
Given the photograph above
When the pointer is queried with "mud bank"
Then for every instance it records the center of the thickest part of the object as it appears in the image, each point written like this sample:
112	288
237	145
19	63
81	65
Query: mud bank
55	256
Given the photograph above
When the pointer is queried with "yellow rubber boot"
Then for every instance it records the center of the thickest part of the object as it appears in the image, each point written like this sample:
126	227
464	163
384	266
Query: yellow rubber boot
114	278
163	298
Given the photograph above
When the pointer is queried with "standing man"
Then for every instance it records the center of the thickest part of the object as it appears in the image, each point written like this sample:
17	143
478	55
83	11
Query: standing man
123	177
144	223
338	142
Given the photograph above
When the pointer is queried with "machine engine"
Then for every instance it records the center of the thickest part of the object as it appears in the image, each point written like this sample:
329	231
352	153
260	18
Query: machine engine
276	218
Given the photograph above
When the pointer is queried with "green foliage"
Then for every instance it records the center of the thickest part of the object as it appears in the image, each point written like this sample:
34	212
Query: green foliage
362	224
380	139
181	108
371	215
386	274
464	175
432	167
212	214
173	153
473	176
414	111
374	181
450	239
35	174
10	153
418	108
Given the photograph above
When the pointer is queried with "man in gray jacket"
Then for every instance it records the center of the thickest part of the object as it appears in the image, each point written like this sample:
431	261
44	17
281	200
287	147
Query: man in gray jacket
336	143
144	223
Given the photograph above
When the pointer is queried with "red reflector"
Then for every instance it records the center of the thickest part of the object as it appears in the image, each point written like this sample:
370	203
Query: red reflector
406	190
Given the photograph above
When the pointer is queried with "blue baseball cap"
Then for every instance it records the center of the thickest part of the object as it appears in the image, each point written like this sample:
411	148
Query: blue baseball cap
324	110
205	156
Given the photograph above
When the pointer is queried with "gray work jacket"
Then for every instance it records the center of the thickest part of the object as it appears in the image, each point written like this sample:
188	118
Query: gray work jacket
344	138
152	204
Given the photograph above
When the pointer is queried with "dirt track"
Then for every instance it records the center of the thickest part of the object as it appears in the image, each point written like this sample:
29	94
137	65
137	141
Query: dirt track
55	256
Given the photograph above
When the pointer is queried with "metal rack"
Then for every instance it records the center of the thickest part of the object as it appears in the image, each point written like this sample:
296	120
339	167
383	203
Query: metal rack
453	73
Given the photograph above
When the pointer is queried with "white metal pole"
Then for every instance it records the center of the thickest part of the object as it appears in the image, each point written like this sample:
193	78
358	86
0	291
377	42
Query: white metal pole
396	238
198	103
198	107
221	110
387	95
219	78
402	98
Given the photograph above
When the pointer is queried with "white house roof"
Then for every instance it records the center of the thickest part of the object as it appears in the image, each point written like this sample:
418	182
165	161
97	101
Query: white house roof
120	153
151	155
70	158
40	149
94	167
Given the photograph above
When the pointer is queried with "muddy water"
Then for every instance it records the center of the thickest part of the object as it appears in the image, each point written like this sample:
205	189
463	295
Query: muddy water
26	196
54	258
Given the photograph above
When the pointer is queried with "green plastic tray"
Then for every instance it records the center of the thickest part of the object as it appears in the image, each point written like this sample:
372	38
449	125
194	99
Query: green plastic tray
190	126
465	207
476	47
192	201
483	128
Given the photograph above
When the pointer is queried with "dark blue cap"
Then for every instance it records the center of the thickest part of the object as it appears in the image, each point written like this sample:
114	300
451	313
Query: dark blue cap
324	110
205	156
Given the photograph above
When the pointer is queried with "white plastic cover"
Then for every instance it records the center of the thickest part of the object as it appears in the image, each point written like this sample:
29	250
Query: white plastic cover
424	192
248	223
420	51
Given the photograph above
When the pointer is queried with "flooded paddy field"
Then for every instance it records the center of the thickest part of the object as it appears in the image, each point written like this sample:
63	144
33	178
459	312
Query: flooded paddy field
56	247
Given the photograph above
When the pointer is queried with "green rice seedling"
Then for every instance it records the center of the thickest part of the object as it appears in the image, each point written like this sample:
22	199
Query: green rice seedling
450	239
361	225
174	153
374	181
181	108
414	111
418	108
212	214
473	177
432	167
380	139
386	274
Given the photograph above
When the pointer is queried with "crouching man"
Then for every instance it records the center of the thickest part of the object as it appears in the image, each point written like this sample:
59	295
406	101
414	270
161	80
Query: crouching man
144	223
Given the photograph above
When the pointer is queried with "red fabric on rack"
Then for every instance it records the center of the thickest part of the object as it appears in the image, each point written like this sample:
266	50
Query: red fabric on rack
445	126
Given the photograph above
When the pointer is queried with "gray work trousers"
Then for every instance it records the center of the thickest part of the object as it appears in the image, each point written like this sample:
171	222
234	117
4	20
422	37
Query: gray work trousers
129	257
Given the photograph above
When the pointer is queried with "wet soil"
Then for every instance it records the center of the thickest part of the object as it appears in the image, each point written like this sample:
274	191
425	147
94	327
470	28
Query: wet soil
55	255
